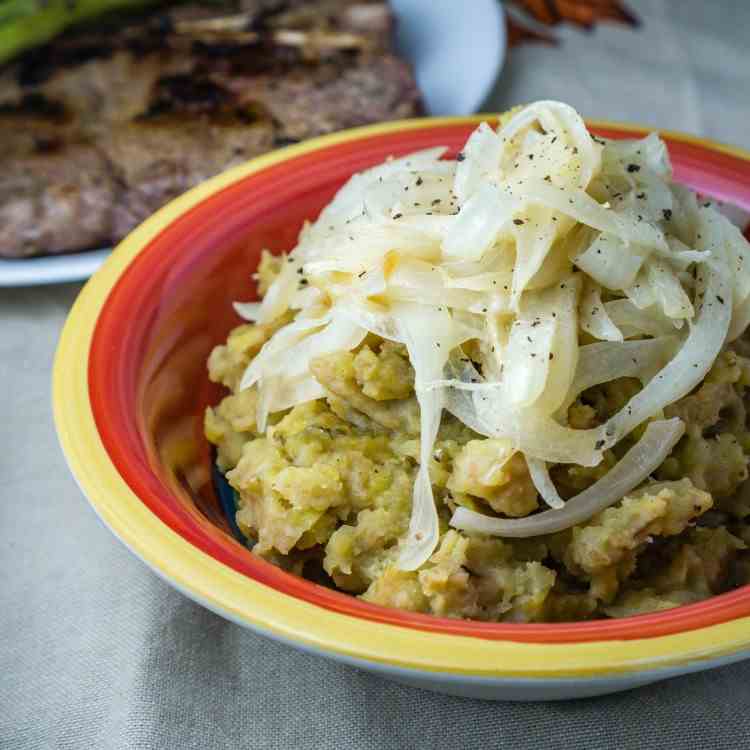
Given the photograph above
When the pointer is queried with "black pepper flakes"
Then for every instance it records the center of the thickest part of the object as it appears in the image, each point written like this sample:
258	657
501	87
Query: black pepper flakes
518	222
633	168
599	444
667	214
460	156
397	216
720	298
419	181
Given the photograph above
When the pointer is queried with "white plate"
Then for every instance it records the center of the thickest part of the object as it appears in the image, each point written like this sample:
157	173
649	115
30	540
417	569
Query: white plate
50	269
456	49
456	58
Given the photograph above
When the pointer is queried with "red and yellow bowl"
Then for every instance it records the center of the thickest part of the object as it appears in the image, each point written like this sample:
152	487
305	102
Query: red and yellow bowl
130	388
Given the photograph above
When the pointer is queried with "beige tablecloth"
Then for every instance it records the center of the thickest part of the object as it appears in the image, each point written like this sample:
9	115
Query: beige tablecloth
96	652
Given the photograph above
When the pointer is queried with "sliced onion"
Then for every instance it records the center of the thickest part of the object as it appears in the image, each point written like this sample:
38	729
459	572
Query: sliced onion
393	256
561	119
691	363
635	322
482	153
601	363
276	300
292	391
583	208
247	310
594	318
370	317
349	201
640	292
539	472
430	336
649	153
476	228
537	435
640	461
561	303
668	290
608	262
534	239
339	335
740	320
527	359
268	358
717	235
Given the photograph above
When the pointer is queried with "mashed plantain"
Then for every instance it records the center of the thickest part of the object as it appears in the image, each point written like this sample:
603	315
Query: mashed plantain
328	487
509	386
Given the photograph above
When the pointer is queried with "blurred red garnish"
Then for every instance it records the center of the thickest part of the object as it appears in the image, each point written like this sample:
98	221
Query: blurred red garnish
582	13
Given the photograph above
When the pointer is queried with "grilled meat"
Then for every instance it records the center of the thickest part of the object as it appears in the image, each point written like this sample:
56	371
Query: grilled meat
55	201
158	157
102	128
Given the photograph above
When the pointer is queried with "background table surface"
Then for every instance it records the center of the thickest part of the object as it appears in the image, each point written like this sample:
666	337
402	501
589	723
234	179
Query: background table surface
95	651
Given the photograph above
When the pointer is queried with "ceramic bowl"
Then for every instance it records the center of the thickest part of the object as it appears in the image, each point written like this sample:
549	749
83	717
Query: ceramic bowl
130	387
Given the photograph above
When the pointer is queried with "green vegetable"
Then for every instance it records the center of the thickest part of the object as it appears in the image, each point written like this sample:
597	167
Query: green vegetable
29	23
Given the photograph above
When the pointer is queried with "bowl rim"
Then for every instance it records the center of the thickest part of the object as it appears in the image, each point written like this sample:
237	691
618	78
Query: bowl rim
278	614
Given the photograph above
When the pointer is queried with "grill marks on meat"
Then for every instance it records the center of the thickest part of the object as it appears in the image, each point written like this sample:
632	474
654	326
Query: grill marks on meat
306	102
157	157
124	122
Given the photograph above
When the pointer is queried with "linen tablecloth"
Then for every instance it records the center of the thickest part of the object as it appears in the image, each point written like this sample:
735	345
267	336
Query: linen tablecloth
97	652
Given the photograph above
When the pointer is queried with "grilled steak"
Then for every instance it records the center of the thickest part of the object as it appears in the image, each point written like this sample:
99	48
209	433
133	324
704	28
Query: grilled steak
55	201
102	128
159	157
